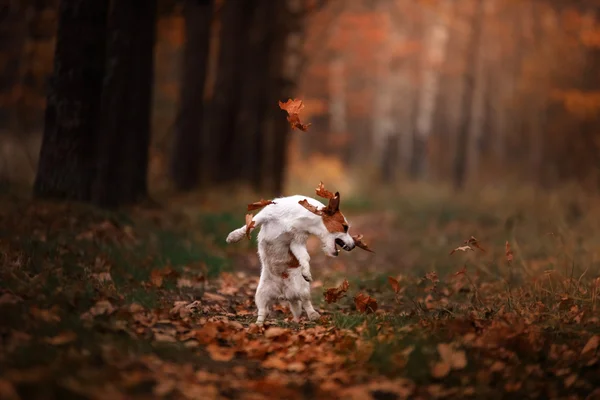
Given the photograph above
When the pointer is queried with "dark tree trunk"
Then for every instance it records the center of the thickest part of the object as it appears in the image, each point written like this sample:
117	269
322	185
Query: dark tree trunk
66	162
464	123
124	129
13	32
225	103
186	156
248	151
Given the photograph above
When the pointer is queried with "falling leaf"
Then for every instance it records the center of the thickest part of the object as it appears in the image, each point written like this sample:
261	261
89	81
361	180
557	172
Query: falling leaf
394	284
249	225
365	303
61	338
462	248
591	345
509	253
259	204
472	241
359	243
322	192
334	294
293	108
462	271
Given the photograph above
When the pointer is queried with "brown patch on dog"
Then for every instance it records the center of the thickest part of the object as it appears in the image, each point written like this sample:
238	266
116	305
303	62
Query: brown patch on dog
335	223
285	275
294	263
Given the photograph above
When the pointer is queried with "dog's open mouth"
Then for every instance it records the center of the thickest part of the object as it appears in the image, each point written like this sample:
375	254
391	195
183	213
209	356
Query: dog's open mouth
340	242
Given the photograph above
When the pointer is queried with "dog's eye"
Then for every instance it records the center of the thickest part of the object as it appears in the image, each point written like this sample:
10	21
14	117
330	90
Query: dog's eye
345	228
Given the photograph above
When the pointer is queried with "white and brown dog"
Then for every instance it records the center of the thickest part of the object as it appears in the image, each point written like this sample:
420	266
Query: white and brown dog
286	223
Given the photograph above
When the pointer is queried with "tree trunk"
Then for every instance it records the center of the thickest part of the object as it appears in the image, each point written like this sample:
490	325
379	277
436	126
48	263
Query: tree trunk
185	159
124	130
66	162
225	103
460	162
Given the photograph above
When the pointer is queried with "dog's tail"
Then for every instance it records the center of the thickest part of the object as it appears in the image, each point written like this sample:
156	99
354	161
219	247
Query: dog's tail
238	234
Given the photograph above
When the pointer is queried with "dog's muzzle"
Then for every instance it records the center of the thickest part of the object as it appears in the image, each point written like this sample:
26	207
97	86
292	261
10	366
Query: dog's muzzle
343	245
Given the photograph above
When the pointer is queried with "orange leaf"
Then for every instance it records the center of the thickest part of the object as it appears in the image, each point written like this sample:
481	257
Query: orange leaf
509	253
474	242
219	353
259	204
365	303
293	108
591	345
359	243
394	283
304	203
334	294
249	225
324	193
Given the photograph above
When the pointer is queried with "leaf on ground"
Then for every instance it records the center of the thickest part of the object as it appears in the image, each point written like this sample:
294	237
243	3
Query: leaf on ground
457	359
322	192
440	370
591	345
249	225
334	294
365	303
157	276
102	307
259	204
359	243
394	284
274	332
61	338
219	353
293	108
509	253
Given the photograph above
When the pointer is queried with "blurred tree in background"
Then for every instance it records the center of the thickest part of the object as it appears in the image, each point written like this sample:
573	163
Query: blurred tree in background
183	94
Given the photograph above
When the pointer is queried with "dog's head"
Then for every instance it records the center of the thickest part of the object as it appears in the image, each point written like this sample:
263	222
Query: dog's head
336	226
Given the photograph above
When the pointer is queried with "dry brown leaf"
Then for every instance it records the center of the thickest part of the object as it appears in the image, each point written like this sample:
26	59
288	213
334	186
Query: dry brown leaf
440	370
359	243
457	359
102	307
293	108
322	192
219	353
259	204
274	332
334	294
304	203
249	225
461	248
472	241
394	284
509	253
591	345
365	303
61	338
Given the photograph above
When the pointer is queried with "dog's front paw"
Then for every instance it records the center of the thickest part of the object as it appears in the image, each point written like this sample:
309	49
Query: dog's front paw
313	316
307	276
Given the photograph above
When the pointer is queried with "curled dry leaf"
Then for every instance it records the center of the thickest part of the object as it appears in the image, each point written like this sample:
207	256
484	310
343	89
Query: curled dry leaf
365	303
359	243
591	345
324	193
509	253
394	284
249	225
293	108
462	248
334	294
304	203
259	204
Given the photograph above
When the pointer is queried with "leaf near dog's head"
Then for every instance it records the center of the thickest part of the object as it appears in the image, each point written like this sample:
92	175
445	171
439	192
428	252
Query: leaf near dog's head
293	108
359	243
324	193
304	203
259	204
334	294
249	224
365	303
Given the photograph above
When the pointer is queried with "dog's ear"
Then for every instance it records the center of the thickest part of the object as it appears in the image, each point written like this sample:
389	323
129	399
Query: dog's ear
334	204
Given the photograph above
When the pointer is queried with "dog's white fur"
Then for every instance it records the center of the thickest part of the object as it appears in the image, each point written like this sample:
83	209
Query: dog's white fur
285	228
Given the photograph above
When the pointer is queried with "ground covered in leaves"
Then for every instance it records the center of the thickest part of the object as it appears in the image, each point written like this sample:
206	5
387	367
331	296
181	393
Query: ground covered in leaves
152	303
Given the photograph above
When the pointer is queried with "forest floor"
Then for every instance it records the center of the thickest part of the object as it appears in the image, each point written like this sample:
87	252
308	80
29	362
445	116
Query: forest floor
152	303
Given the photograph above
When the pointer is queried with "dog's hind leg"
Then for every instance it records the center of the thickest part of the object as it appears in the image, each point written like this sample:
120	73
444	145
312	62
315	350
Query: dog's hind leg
313	315
263	303
296	307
